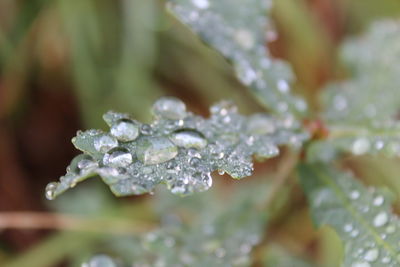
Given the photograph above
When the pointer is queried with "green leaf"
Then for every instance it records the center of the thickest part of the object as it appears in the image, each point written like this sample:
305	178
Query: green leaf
239	30
278	257
357	139
362	112
371	94
195	232
362	217
179	149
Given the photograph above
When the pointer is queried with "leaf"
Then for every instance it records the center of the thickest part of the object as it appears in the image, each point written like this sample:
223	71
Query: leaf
178	149
278	257
362	112
196	233
372	92
239	30
357	139
361	217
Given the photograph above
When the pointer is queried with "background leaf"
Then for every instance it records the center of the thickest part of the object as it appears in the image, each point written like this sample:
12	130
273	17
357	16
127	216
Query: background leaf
361	217
239	31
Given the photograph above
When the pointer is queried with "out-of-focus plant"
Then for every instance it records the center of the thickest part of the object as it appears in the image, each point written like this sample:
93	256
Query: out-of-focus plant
182	150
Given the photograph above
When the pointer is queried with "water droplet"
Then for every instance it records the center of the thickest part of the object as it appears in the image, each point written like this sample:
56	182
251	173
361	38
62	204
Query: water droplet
354	194
283	86
260	124
360	146
80	163
154	150
100	261
146	129
378	201
125	130
202	4
51	190
381	219
194	162
178	188
118	157
340	102
354	233
189	139
385	260
104	143
244	38
169	108
390	229
371	255
361	264
348	227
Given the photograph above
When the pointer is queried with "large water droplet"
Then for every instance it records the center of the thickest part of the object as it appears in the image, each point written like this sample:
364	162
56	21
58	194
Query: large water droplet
118	157
189	139
80	163
51	190
125	130
169	108
260	124
381	219
154	150
371	255
104	143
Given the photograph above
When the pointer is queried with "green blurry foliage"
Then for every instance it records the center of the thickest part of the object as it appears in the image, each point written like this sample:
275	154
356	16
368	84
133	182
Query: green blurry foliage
126	54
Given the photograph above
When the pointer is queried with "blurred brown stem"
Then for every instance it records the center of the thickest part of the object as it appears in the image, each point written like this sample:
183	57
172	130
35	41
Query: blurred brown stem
42	220
285	168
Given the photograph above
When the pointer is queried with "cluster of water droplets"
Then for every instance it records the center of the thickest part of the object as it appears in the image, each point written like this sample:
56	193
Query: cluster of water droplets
239	30
371	94
364	221
379	138
179	148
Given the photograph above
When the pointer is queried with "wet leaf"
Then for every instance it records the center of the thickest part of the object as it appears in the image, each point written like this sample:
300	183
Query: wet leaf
239	30
178	149
362	217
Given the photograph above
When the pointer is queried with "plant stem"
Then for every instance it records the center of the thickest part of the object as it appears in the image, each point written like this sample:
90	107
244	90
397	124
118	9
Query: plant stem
285	168
42	220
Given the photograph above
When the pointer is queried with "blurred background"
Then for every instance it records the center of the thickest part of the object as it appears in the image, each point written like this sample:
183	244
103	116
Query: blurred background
63	63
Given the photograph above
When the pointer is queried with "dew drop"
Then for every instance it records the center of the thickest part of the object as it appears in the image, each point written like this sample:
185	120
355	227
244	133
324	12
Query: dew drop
260	124
100	261
146	129
104	143
125	130
354	194
51	190
118	157
348	227
283	86
202	4
360	146
189	139
169	108
390	229
154	150
371	255
361	264
354	233
378	201
244	38
381	219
